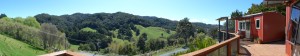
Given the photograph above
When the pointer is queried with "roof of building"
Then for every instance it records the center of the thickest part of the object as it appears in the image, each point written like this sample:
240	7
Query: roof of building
250	15
274	2
62	53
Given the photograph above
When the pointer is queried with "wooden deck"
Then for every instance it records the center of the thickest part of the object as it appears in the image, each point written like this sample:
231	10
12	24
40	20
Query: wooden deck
269	49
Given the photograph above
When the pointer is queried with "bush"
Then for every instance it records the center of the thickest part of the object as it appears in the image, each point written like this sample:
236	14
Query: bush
201	41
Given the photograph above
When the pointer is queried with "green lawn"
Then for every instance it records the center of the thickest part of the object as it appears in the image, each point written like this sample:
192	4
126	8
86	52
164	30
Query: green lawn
13	47
154	32
74	47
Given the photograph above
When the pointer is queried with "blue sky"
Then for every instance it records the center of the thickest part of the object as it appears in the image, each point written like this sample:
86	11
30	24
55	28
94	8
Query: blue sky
205	11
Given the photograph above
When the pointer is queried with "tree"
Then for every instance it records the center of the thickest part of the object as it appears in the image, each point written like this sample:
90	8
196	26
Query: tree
168	31
19	31
155	44
51	36
141	42
94	40
2	15
124	33
31	21
256	8
19	20
231	23
200	41
200	30
137	32
84	47
185	29
213	32
236	14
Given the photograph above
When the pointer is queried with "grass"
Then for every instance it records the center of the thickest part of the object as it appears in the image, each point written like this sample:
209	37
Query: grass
152	32
13	47
74	47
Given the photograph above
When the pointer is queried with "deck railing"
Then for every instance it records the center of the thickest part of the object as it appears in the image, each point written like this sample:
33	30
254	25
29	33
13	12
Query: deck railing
229	47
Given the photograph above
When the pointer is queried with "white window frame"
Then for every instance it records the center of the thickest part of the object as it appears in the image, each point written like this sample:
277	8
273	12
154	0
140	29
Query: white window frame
242	24
258	24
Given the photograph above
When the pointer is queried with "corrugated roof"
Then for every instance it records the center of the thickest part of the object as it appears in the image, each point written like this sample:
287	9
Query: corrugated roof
251	15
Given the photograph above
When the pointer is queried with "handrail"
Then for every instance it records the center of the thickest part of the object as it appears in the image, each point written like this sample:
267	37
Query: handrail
212	48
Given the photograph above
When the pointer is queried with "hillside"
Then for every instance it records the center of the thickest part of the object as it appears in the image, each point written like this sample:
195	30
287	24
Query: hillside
152	32
108	21
13	47
106	31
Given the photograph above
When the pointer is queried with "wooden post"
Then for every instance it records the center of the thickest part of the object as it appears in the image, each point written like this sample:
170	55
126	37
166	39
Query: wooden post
219	32
227	33
238	45
229	49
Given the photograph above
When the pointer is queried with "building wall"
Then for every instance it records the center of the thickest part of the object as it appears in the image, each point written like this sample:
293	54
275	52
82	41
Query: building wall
256	33
273	26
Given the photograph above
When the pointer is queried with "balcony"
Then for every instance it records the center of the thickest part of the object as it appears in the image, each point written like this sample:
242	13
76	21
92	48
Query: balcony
235	46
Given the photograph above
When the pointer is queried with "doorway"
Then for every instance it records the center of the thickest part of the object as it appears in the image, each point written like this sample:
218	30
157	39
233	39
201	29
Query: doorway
247	31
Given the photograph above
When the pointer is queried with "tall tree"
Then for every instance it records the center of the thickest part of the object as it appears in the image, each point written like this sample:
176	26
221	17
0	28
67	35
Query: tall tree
231	23
2	15
31	21
185	29
125	33
200	30
256	8
51	36
141	42
236	14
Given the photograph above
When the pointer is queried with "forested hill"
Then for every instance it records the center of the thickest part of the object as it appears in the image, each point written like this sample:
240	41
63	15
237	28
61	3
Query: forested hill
103	22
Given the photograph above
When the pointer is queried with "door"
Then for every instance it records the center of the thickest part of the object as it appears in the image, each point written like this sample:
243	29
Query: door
247	31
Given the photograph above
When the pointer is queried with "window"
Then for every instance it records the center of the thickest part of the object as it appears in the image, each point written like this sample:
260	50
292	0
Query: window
257	23
295	15
247	24
242	25
295	39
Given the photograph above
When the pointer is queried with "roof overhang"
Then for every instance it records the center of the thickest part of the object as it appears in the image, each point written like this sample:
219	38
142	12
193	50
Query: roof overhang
275	2
222	18
249	16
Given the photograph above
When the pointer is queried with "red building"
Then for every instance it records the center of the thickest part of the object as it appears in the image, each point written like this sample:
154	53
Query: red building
263	27
292	41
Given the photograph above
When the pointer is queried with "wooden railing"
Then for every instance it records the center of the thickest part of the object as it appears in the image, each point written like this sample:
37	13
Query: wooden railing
229	47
